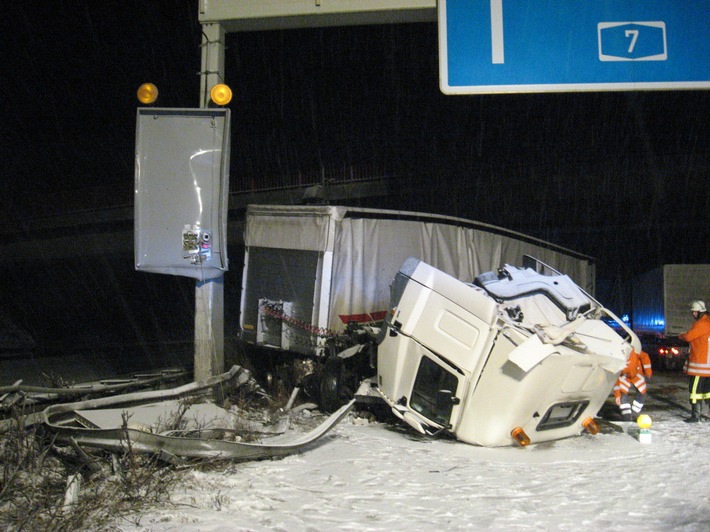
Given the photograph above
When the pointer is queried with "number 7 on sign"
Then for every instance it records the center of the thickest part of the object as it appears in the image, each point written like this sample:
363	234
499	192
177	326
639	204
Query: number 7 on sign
634	34
497	48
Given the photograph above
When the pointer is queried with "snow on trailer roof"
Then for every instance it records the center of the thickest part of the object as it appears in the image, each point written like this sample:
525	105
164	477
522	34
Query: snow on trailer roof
339	213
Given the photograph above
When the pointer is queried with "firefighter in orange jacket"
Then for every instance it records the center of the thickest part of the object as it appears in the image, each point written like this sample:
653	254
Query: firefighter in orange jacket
637	370
698	364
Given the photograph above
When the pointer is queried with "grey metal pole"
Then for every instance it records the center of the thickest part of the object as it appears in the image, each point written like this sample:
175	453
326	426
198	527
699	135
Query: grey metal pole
209	294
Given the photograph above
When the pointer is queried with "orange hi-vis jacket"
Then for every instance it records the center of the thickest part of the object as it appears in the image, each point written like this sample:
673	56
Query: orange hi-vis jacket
698	362
637	367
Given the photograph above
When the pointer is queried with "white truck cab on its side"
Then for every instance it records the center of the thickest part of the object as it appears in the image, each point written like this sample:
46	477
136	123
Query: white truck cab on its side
515	356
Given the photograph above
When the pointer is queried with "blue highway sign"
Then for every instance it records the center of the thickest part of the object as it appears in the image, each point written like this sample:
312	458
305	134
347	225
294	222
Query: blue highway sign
497	46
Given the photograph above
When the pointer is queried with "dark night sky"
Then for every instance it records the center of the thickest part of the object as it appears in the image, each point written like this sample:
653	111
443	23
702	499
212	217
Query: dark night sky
620	176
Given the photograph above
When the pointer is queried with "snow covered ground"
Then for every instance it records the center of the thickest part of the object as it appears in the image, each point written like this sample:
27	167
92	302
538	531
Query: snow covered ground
371	476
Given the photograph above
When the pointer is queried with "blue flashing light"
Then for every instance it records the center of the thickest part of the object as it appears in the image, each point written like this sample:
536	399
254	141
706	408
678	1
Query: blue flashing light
650	322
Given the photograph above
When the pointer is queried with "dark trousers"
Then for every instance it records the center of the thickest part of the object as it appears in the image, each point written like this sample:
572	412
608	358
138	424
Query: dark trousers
698	388
698	391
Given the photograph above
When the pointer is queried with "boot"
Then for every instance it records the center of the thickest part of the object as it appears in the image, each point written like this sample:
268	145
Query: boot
694	413
626	414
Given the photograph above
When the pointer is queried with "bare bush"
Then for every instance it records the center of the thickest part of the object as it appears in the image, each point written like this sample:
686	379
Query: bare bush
112	487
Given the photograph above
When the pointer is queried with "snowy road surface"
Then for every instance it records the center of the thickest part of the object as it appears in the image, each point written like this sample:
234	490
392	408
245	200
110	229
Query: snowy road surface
379	476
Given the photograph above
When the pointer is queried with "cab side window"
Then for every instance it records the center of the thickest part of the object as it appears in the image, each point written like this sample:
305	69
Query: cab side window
434	388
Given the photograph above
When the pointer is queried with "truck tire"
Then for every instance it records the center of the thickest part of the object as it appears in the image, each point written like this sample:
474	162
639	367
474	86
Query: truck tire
336	387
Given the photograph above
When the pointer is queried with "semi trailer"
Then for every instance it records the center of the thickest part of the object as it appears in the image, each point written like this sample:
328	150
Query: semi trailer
310	272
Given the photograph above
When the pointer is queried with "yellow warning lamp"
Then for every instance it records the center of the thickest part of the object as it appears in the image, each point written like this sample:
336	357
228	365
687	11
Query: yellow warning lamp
591	426
644	421
221	94
147	93
519	436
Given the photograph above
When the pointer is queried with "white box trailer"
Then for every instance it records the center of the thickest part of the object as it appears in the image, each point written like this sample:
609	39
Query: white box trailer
661	301
662	297
309	271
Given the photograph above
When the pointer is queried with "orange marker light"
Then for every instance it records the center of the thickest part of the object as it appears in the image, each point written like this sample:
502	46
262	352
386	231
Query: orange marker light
147	93
221	94
519	436
591	426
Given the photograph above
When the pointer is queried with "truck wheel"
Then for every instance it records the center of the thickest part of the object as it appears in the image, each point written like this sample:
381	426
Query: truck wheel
336	387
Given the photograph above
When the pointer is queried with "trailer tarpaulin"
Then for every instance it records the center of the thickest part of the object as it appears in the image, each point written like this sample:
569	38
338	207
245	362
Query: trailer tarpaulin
369	252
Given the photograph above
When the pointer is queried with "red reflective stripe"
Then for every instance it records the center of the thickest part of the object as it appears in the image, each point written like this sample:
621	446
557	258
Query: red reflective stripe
348	318
379	315
363	318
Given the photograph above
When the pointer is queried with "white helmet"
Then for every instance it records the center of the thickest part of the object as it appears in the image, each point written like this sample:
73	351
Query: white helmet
698	306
